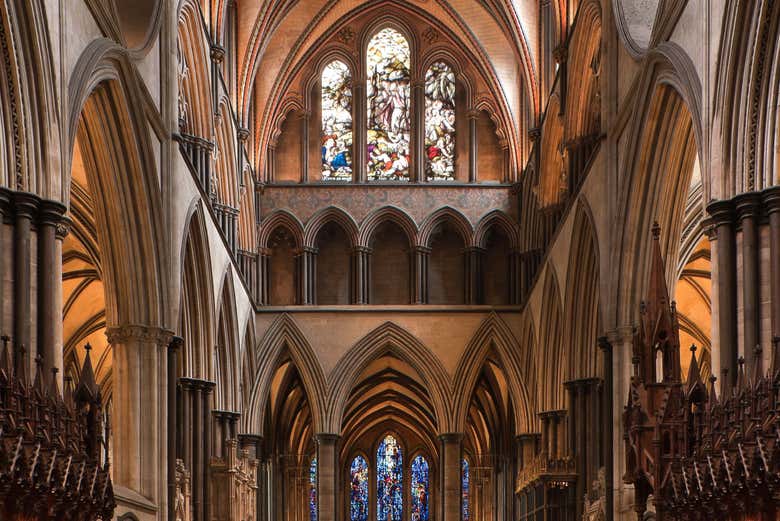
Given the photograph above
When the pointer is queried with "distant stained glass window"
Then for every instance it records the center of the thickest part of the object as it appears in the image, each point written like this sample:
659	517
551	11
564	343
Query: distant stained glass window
389	480
313	490
358	495
420	489
440	123
336	136
388	92
464	487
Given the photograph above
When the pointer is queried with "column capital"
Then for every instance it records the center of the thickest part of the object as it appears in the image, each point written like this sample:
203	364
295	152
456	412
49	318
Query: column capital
528	436
771	199
243	134
176	343
26	204
138	333
721	212
451	437
363	249
5	204
472	114
474	249
327	438
308	250
747	205
620	335
51	212
423	250
217	53
63	228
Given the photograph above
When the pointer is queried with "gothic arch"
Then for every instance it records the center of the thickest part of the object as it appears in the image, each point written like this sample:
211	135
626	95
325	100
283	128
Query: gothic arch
247	232
492	334
582	304
449	215
196	107
28	103
500	219
381	215
552	171
285	339
550	380
583	104
664	140
226	166
284	219
393	339
331	214
196	310
248	364
107	112
225	372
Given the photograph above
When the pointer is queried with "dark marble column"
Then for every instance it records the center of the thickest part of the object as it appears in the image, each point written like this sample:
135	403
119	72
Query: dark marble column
359	119
361	275
515	294
50	215
722	219
307	273
263	258
25	208
473	146
474	276
420	274
417	172
173	425
748	210
771	198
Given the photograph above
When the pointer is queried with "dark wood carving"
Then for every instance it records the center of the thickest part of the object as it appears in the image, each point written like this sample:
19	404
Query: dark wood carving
53	449
696	454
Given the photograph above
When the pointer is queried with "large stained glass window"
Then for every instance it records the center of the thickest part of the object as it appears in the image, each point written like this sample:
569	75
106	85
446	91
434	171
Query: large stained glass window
313	489
440	122
388	64
389	480
464	487
336	122
420	489
358	496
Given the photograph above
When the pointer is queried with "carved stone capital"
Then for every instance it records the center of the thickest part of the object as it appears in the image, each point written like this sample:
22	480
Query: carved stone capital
451	437
51	212
139	333
243	134
748	205
771	199
25	205
217	53
721	212
327	438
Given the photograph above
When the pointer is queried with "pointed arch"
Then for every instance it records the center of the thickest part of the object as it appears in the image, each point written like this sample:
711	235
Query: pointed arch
381	215
247	236
226	354
226	166
500	219
550	348
582	303
550	184
196	309
449	215
393	339
493	334
331	214
283	339
196	107
284	219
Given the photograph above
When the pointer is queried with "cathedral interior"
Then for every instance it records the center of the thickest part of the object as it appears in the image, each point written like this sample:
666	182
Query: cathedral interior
389	260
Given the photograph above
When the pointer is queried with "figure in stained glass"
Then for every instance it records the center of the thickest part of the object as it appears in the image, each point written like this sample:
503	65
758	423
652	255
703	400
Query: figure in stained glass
440	122
336	122
464	487
389	480
420	489
358	496
388	92
313	489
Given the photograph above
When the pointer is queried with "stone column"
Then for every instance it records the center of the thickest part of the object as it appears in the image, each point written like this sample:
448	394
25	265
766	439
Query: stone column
327	475
140	372
361	275
305	118
307	272
607	424
420	274
25	208
49	284
172	425
515	294
771	198
254	443
722	218
474	276
748	208
451	475
62	230
359	119
473	115
417	173
6	255
263	258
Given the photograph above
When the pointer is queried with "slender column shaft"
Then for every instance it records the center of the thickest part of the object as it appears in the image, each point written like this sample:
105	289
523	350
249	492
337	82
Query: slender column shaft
474	275
206	391
173	348
305	121
722	219
473	146
451	473
361	275
359	119
25	206
49	282
748	207
421	256
417	173
772	205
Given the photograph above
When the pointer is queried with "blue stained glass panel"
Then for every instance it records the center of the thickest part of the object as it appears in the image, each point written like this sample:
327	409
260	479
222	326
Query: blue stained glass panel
389	480
465	481
358	495
420	489
313	490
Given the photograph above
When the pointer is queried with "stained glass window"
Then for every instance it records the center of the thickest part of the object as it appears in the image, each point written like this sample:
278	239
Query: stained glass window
440	122
464	487
420	489
389	480
388	64
358	496
313	489
336	121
